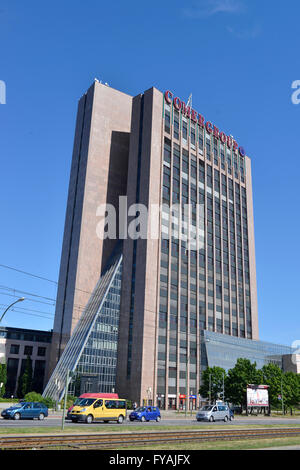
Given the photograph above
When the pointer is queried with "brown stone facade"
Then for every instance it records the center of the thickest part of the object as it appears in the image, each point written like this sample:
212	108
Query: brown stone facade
144	187
98	176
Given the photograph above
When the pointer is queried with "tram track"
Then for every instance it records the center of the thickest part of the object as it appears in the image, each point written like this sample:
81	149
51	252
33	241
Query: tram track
117	440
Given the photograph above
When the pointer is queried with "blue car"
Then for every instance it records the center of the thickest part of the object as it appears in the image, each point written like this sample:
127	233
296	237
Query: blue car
26	410
145	413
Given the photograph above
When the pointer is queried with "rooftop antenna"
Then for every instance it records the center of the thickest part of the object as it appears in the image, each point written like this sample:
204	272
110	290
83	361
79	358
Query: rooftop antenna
189	102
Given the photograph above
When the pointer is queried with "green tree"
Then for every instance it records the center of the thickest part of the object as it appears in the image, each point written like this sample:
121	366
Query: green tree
291	390
212	383
243	373
25	381
34	396
69	402
3	378
272	375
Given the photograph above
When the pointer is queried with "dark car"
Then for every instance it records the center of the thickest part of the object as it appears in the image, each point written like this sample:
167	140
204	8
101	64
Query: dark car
26	410
145	413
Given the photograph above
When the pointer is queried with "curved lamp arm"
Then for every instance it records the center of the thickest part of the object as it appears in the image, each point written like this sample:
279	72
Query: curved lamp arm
19	300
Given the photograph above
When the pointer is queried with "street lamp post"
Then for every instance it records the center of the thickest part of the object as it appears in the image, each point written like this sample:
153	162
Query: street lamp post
223	388
11	305
186	384
282	402
65	400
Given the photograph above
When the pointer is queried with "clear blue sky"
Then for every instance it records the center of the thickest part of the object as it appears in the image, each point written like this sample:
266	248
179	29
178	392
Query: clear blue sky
238	58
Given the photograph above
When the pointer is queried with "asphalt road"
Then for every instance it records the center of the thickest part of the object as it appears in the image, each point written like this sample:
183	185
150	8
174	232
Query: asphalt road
55	420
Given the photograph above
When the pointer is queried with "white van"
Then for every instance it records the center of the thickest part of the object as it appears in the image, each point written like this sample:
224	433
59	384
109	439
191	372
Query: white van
213	413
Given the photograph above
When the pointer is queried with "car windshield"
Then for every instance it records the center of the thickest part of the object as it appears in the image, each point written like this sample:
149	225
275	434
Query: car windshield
77	401
206	408
141	408
18	405
86	402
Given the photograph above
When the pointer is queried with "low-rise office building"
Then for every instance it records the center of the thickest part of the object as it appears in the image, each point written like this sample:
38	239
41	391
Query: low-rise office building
16	345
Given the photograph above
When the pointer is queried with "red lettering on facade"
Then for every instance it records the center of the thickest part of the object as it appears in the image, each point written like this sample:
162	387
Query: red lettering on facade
208	126
216	132
183	108
201	120
177	103
223	137
186	110
168	96
194	115
229	141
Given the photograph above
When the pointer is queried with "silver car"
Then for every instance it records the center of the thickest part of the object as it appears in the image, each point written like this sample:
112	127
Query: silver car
213	413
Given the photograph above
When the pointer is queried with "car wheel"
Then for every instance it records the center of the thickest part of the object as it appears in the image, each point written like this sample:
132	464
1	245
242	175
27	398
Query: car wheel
158	419
120	419
17	416
226	419
41	416
211	419
89	419
143	419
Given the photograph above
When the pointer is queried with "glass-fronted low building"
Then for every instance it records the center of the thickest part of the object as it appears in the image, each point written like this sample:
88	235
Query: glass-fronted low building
97	363
224	351
90	357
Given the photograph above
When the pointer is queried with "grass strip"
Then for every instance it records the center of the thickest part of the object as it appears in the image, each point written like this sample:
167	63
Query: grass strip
105	428
251	444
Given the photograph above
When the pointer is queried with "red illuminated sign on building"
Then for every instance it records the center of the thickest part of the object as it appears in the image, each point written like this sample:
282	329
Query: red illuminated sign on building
211	129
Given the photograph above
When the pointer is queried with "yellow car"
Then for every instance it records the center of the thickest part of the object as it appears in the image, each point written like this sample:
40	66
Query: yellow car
99	409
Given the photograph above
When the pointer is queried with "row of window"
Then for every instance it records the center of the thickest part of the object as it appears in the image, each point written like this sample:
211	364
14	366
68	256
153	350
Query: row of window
28	350
10	333
13	364
187	163
214	150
